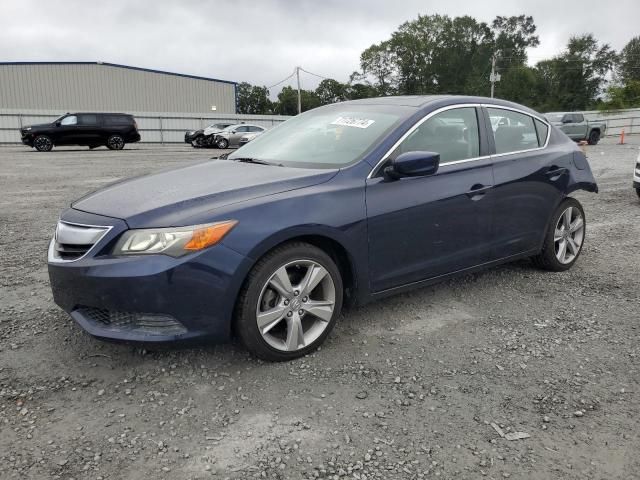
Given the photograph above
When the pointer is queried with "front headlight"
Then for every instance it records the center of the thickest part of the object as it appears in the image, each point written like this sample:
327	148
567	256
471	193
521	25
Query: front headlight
26	129
173	241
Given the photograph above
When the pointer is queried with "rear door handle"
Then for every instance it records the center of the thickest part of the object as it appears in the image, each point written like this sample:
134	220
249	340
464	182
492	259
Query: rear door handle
478	191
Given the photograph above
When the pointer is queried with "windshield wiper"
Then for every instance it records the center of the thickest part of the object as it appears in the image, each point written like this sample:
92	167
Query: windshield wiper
257	161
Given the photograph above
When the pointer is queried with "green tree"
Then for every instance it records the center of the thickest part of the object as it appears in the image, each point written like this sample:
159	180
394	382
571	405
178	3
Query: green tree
629	61
330	91
379	62
574	79
287	103
622	96
253	99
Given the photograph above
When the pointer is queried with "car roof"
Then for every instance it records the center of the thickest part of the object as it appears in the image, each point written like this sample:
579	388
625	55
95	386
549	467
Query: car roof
99	113
422	101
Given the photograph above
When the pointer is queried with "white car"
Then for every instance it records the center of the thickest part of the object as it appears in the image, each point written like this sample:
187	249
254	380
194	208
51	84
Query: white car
636	176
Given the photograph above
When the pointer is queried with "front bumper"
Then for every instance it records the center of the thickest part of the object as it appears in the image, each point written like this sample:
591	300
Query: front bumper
148	298
26	138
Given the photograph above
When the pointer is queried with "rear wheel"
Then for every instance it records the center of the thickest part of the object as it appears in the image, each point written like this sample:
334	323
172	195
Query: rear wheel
594	137
42	143
115	142
289	303
565	237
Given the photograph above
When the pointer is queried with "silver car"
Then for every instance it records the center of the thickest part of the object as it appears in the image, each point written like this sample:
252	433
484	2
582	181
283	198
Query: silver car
230	136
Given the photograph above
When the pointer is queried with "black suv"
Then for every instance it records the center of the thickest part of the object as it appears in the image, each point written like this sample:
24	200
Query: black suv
88	129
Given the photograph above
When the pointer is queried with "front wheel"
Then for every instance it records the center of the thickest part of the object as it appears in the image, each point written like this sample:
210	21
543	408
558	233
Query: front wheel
115	142
594	137
42	143
564	238
289	303
197	142
222	143
638	191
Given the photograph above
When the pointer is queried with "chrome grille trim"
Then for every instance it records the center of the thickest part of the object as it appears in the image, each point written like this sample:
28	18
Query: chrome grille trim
75	234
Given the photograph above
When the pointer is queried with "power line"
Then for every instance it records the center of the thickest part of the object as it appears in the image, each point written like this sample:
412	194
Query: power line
282	81
314	74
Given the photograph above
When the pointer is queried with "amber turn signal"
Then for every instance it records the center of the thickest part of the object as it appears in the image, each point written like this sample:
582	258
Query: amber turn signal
206	236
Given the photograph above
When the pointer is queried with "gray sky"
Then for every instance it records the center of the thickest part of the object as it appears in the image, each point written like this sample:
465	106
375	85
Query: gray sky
260	41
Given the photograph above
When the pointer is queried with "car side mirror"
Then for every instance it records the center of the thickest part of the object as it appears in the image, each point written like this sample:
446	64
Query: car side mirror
413	164
58	124
234	131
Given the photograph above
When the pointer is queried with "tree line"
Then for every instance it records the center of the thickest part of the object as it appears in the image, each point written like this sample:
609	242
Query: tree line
438	54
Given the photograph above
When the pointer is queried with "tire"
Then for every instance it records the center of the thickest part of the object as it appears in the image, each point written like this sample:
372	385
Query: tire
222	143
594	137
115	142
551	257
638	192
42	143
197	142
290	327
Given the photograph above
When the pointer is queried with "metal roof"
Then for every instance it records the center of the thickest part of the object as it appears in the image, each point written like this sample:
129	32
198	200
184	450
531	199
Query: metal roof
117	65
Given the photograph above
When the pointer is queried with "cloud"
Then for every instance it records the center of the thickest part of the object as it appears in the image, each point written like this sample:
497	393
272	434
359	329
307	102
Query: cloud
261	41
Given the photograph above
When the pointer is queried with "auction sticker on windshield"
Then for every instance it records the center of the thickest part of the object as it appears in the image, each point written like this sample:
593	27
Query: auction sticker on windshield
353	122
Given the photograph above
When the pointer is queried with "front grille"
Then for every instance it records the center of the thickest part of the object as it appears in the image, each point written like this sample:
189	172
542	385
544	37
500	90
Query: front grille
134	322
73	241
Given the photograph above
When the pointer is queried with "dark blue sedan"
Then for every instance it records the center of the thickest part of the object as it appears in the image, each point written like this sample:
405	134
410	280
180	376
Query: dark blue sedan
343	204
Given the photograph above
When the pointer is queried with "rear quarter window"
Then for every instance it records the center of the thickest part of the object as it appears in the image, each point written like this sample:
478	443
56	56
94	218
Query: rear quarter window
117	120
518	134
542	130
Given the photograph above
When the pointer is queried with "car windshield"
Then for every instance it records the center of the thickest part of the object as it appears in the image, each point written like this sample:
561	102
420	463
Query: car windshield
328	137
554	117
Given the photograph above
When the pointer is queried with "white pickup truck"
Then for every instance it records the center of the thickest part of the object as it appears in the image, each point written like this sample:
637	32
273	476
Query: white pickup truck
577	127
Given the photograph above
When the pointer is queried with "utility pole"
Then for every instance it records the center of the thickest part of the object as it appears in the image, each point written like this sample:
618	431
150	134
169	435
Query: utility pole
494	77
299	97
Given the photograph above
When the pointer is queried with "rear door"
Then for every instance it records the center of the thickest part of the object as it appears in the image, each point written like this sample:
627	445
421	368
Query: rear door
529	182
424	227
88	129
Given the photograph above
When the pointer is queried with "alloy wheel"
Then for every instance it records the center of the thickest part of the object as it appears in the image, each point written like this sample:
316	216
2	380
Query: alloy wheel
43	144
295	305
116	142
569	235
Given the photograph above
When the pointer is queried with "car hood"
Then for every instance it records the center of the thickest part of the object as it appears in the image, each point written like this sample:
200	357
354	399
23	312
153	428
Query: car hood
169	198
38	125
209	131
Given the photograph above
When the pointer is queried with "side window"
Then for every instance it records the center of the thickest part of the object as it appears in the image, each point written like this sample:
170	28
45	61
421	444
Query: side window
542	130
257	129
519	134
452	133
70	120
242	129
578	118
567	118
87	119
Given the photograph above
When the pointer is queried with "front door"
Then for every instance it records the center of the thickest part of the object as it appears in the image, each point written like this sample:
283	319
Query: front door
66	131
424	227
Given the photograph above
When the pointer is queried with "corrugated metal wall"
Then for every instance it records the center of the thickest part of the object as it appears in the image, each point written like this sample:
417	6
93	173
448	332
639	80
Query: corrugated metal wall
103	87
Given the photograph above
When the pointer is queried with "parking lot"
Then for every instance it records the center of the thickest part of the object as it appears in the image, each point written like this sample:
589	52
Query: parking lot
416	386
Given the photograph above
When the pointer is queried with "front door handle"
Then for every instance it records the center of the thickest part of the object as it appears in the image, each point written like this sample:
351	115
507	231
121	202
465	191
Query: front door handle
478	191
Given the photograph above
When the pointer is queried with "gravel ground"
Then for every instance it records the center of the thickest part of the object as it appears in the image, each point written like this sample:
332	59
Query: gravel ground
422	385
